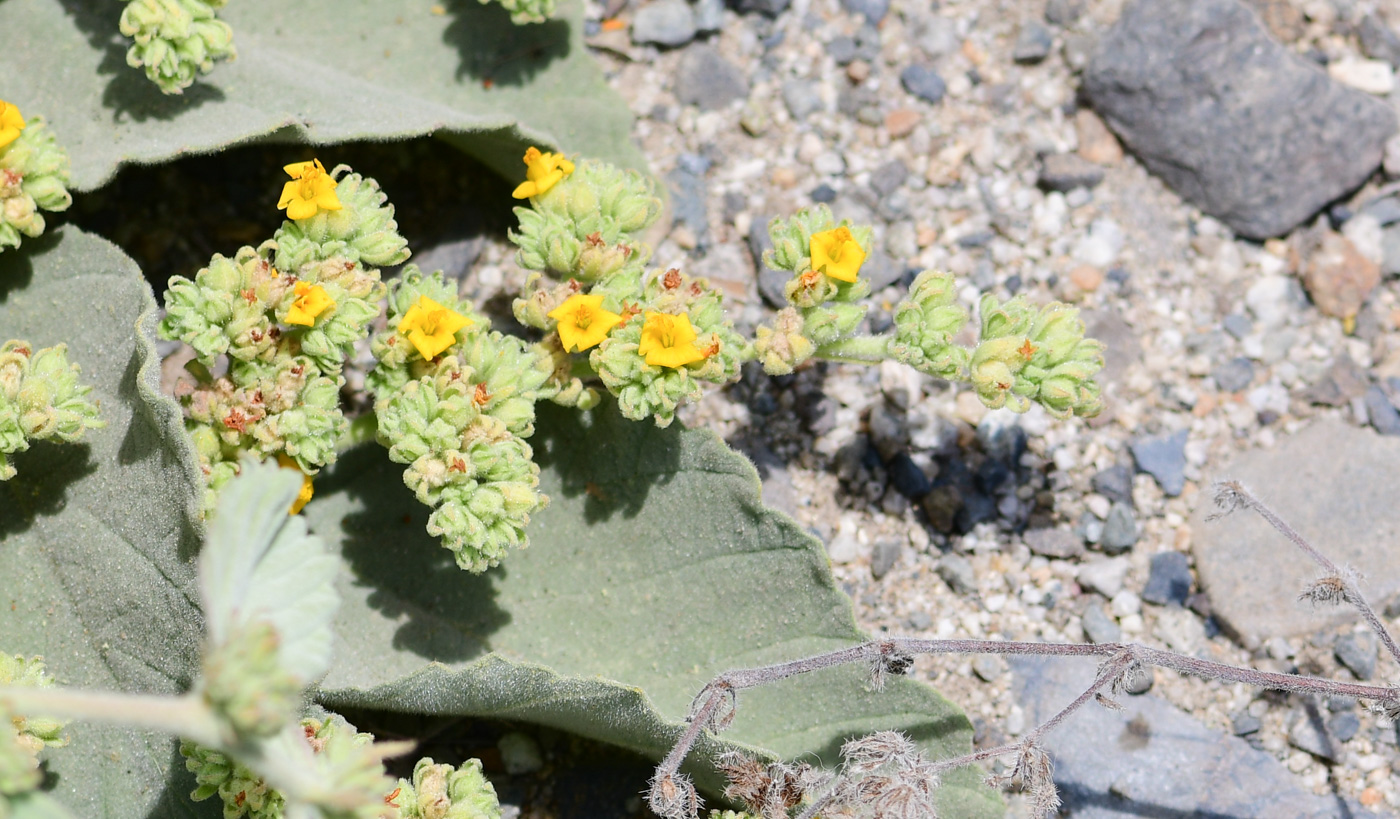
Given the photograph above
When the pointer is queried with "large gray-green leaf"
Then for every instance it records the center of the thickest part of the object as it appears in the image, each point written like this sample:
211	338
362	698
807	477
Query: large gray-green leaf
323	71
97	538
654	568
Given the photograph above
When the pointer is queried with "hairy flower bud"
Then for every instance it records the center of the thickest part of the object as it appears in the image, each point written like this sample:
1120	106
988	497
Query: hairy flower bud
925	323
33	175
439	791
175	40
40	397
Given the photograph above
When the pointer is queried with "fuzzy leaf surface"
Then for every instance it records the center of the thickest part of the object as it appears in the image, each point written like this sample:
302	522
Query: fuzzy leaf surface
654	568
321	72
98	538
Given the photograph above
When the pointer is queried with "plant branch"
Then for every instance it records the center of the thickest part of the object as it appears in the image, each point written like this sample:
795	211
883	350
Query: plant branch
856	349
186	715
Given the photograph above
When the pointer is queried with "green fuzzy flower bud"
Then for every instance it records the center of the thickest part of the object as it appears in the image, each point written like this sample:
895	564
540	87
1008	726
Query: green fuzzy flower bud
925	322
533	310
620	200
443	792
823	325
33	176
526	11
244	683
1041	355
508	377
363	230
783	346
225	308
33	733
243	792
353	295
40	398
175	40
564	388
398	361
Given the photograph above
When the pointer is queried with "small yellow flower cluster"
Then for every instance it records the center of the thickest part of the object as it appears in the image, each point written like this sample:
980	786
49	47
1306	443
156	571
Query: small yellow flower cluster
583	323
542	172
311	301
11	123
667	340
837	254
311	190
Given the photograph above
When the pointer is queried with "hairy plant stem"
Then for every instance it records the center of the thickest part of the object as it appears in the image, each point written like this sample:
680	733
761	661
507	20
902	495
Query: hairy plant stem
856	349
186	715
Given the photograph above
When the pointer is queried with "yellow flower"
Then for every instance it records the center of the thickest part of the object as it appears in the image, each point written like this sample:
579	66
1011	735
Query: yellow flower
311	301
431	327
542	172
837	254
311	190
11	123
583	322
306	489
669	341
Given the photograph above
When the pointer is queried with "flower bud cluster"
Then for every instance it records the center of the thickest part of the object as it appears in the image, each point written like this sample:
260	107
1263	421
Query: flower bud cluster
925	322
245	685
825	303
40	398
646	388
23	737
175	40
439	791
585	227
353	770
459	421
284	317
1027	354
527	11
33	176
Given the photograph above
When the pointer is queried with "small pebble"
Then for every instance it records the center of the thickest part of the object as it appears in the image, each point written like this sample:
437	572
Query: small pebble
1233	375
873	10
664	22
1120	530
1357	651
1381	412
801	98
885	556
1086	277
1308	733
901	122
1372	76
1168	580
957	572
1098	626
1243	723
924	83
1057	543
920	620
1033	44
906	477
1164	458
1115	483
887	178
1344	726
988	666
1104	576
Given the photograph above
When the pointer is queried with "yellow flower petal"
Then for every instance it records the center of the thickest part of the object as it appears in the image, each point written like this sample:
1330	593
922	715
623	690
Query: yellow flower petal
311	190
311	301
11	123
837	254
542	172
306	488
669	341
430	327
583	323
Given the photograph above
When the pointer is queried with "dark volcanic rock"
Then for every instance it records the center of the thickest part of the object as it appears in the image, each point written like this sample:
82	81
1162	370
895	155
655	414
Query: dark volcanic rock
1255	135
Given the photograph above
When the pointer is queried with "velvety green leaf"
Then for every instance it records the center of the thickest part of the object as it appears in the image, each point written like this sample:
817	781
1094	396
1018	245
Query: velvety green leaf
319	71
654	568
97	538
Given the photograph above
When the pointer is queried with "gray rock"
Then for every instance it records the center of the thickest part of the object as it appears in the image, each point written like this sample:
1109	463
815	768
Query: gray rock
1344	726
1060	543
1164	458
1309	733
801	98
887	178
1233	375
920	620
923	82
1033	43
887	552
1385	210
1255	135
1378	39
1063	12
957	572
1120	530
453	258
1104	576
770	282
1110	764
768	8
1357	651
1099	626
688	201
1065	172
1332	482
881	271
1115	483
1390	251
1168	579
1381	412
1237	325
988	666
889	430
1243	723
709	15
1342	382
842	49
873	10
664	22
706	79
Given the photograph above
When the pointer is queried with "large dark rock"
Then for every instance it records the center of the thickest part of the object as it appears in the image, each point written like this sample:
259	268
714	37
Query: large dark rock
1253	134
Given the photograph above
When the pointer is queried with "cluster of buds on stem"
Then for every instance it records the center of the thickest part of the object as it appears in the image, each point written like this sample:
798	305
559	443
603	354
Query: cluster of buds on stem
40	398
22	737
33	175
280	320
175	40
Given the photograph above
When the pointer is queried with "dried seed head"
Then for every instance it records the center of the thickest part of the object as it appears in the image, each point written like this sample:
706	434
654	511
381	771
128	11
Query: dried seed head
867	754
1326	591
1036	773
1229	496
890	661
1388	708
672	796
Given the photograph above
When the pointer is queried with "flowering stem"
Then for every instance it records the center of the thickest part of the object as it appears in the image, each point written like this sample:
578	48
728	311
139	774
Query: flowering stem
185	716
856	349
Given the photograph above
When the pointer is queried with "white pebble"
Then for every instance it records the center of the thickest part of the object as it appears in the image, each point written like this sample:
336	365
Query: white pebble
1126	603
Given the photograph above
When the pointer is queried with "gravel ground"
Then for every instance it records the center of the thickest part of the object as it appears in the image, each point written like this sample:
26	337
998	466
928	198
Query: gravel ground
955	128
